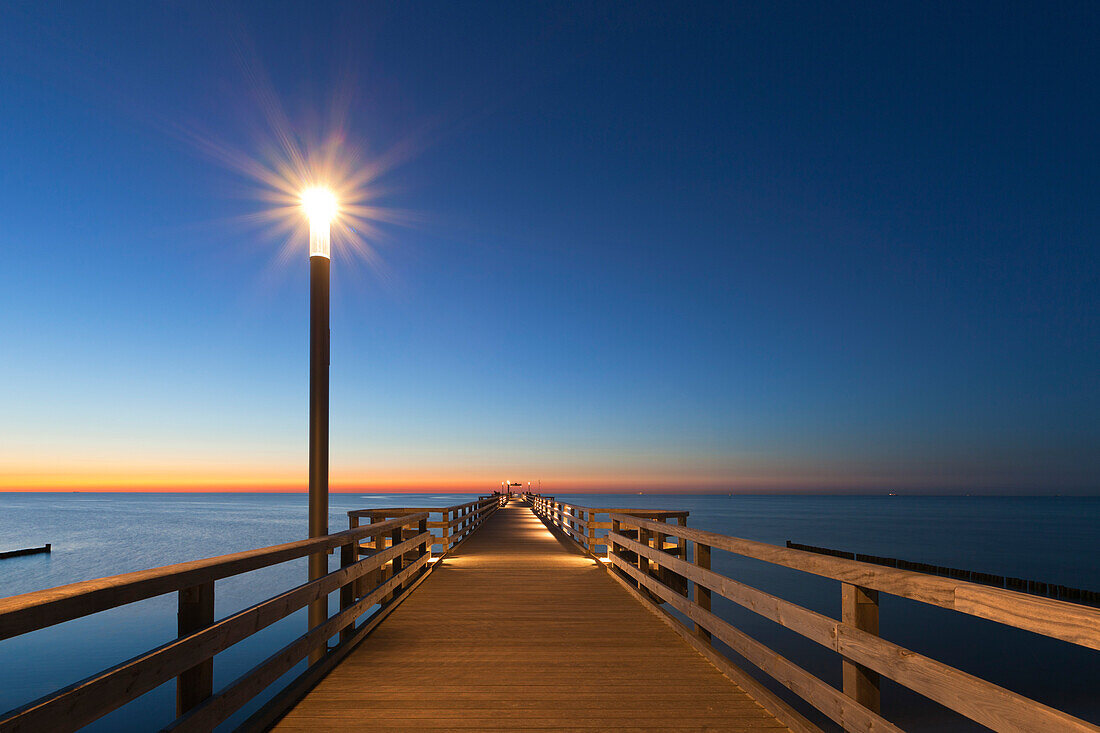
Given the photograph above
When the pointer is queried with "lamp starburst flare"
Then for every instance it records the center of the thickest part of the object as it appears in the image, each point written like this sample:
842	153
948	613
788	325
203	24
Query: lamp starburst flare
293	177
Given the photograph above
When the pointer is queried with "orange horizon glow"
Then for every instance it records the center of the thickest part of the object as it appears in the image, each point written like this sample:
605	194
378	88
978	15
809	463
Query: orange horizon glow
151	483
215	485
34	470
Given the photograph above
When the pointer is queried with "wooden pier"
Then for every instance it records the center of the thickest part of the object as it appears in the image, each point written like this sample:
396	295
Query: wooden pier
518	630
511	613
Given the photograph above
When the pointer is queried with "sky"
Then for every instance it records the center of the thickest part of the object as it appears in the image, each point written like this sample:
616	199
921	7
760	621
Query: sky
727	247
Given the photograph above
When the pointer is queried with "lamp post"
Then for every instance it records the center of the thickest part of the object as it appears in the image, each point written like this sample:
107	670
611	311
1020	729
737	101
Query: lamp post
320	207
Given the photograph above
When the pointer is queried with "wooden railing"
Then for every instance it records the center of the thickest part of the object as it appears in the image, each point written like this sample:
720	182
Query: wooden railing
395	562
454	523
583	526
642	559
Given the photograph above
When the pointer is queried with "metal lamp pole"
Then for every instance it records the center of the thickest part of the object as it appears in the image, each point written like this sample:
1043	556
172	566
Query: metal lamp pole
320	206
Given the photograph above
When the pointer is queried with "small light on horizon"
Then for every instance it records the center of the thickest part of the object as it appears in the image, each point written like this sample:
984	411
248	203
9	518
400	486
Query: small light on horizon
321	208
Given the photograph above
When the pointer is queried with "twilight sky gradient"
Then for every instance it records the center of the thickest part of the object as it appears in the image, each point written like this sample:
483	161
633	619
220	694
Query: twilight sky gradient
731	246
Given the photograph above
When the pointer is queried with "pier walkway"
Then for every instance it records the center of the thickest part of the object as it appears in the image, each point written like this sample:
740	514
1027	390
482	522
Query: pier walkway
518	629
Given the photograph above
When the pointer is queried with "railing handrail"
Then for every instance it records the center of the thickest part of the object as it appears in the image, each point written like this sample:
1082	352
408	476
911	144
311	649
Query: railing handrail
858	644
649	565
581	523
400	560
461	519
28	612
102	691
1048	617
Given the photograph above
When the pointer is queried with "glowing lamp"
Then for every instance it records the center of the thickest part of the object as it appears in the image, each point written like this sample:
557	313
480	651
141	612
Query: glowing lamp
320	207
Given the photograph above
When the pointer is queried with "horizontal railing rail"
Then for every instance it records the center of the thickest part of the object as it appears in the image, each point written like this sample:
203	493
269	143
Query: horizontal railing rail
639	558
397	560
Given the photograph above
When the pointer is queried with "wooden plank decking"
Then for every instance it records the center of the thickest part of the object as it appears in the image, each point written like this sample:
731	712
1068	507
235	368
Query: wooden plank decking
518	630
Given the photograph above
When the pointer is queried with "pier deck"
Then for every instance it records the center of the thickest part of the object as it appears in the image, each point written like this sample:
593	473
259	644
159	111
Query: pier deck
520	630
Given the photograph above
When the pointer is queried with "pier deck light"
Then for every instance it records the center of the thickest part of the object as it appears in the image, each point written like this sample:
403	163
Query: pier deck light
320	206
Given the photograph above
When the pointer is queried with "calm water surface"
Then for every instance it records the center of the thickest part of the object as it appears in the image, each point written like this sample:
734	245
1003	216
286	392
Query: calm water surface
1047	539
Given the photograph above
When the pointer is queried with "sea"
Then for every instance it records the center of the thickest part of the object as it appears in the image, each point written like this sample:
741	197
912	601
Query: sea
1048	539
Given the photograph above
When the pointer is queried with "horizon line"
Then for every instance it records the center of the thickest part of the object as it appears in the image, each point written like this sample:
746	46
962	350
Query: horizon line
757	491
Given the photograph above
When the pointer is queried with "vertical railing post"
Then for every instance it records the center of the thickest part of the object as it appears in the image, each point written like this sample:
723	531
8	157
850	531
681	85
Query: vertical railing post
573	522
612	547
681	543
659	541
357	586
397	563
859	608
426	545
353	523
445	539
701	594
590	530
643	561
348	557
196	612
380	575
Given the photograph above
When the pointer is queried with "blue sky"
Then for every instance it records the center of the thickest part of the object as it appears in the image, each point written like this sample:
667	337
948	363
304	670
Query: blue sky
750	247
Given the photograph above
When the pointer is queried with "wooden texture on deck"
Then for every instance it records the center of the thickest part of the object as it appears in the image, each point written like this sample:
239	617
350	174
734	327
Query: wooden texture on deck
520	631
